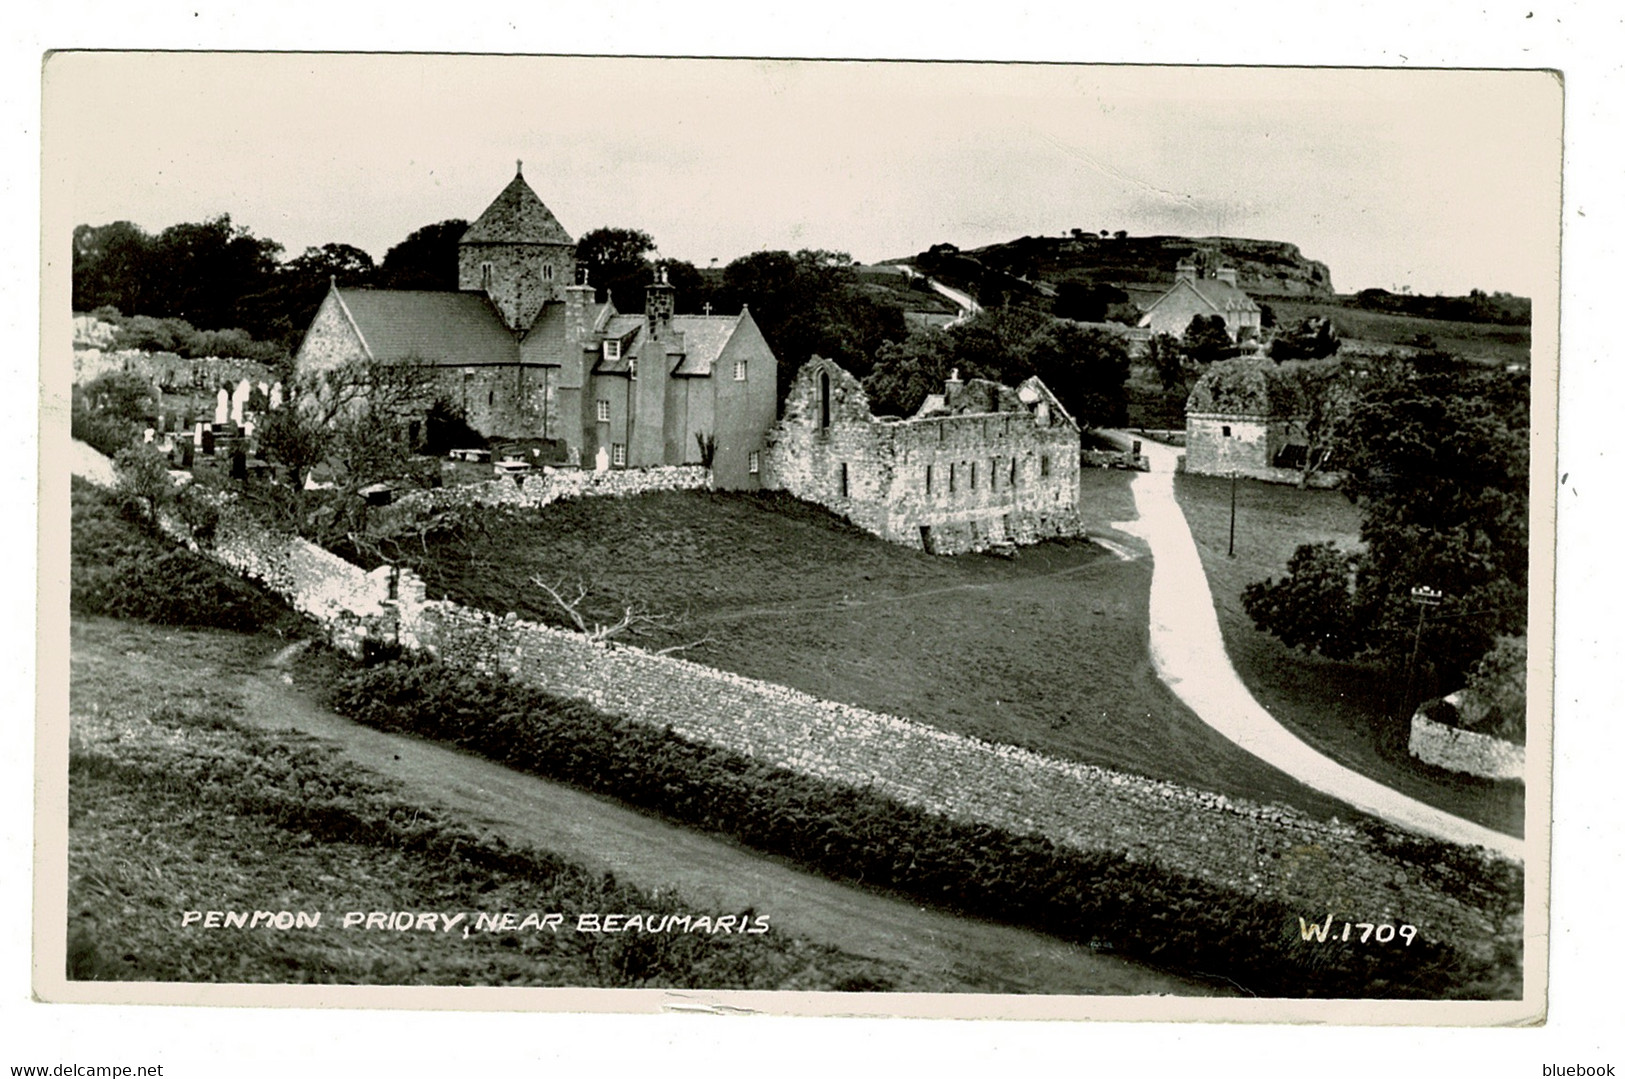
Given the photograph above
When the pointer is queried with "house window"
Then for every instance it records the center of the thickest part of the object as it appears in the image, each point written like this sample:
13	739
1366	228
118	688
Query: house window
1043	465
844	487
603	410
739	371
617	454
612	348
755	462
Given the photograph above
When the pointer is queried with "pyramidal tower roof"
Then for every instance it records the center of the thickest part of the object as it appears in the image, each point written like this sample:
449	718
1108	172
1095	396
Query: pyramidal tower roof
517	216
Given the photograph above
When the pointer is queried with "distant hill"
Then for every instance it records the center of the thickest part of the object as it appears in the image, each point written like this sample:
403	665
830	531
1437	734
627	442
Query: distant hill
1137	264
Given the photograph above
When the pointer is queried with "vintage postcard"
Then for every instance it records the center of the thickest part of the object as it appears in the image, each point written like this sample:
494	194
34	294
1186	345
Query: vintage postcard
814	537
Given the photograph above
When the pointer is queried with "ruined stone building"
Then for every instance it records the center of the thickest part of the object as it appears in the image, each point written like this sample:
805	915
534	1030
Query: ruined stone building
979	466
1193	294
1242	418
525	353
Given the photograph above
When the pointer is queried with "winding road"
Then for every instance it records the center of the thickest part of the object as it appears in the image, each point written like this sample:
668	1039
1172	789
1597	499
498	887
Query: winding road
1188	651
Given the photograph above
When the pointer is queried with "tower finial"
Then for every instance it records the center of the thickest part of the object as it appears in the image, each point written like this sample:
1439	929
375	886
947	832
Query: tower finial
519	167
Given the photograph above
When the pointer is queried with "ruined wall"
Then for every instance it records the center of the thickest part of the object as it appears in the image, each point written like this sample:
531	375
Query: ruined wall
949	484
504	400
1465	751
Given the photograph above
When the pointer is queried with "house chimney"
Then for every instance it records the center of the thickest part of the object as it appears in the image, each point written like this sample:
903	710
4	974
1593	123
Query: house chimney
577	299
659	303
1185	270
1228	276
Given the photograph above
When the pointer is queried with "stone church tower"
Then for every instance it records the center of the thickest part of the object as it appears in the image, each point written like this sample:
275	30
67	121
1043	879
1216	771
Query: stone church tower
518	253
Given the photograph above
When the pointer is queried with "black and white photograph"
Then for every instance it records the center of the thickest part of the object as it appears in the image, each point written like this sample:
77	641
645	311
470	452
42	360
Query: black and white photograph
811	536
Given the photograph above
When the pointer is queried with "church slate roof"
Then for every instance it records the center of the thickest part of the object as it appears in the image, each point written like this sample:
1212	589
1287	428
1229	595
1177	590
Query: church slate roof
450	328
516	216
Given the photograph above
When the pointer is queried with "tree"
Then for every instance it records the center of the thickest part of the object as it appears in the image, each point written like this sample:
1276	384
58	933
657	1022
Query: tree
1436	454
1323	394
1207	340
1310	339
1086	301
203	269
426	259
111	267
1087	370
905	372
352	420
810	303
141	479
284	308
1167	357
617	263
1313	606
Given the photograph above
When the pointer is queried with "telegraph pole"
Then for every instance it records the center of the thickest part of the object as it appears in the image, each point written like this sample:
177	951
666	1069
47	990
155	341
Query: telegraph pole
1231	552
1424	597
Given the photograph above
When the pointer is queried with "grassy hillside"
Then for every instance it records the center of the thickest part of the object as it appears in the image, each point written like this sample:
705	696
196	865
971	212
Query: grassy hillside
174	806
1048	651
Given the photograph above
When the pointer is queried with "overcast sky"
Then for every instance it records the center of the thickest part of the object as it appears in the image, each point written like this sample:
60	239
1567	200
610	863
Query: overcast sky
1440	181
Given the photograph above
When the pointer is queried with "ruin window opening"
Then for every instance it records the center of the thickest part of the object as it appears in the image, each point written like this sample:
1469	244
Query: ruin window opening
993	475
490	397
843	480
823	400
547	272
953	477
1043	465
927	479
973	475
1012	471
1226	430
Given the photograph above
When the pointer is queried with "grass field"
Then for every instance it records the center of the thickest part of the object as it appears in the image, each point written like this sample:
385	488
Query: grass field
1047	651
1347	710
173	806
1379	329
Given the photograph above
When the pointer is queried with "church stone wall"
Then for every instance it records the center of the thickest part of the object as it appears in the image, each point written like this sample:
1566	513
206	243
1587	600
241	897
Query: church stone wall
523	276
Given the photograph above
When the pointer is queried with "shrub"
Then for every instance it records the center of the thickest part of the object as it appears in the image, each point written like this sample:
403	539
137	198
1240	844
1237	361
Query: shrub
122	570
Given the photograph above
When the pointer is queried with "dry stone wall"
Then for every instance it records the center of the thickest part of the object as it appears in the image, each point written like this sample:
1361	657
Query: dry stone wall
544	486
1263	850
1465	751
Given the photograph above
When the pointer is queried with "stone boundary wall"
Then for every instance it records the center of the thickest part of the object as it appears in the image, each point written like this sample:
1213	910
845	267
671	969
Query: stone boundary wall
1465	751
1262	850
1318	481
544	486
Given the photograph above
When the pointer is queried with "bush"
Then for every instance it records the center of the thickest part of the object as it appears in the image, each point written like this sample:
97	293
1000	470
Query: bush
1135	909
122	570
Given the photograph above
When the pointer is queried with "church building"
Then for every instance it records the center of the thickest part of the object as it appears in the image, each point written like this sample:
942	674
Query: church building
524	352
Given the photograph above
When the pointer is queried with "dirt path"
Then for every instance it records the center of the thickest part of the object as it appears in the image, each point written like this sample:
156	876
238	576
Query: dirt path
708	870
1188	650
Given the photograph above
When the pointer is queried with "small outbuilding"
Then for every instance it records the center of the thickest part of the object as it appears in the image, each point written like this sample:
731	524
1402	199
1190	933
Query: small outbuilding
1242	418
